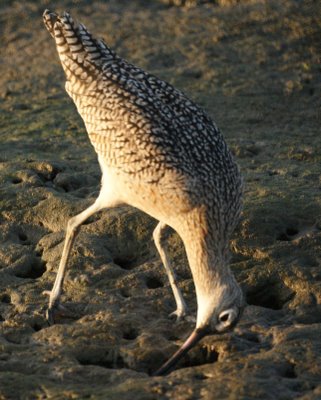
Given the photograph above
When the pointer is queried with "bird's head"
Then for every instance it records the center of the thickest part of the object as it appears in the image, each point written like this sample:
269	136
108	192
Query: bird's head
219	311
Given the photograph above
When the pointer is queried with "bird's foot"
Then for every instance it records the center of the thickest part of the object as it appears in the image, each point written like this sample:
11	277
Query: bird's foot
179	314
56	311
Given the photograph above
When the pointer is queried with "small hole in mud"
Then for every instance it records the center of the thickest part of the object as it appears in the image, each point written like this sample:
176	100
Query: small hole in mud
5	298
272	295
92	219
288	235
35	271
289	372
125	293
124	264
38	253
130	334
269	301
153	283
204	355
38	271
199	356
1	318
15	181
292	231
112	363
22	237
37	327
282	237
251	337
200	377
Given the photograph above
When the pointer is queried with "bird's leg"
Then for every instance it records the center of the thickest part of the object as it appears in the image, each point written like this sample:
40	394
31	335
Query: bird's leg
72	229
181	310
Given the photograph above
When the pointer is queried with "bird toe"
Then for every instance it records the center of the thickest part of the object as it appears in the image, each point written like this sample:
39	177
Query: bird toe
178	314
58	311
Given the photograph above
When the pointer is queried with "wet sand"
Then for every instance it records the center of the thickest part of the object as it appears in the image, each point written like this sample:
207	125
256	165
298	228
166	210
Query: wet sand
255	67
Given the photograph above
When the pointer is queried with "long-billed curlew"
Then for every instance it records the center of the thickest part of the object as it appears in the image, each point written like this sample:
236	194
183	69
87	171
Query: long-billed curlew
159	152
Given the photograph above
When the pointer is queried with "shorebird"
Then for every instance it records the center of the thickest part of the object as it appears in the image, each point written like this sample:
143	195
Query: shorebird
161	153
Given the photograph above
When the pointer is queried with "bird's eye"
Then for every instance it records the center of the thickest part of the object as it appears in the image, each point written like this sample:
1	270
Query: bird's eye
224	317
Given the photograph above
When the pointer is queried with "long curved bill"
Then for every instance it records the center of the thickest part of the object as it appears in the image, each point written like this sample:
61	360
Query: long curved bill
190	342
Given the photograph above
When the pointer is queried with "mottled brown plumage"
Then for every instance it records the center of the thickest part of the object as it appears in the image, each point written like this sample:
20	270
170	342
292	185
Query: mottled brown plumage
161	153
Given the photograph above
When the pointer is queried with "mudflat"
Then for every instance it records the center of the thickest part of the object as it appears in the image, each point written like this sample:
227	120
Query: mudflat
255	67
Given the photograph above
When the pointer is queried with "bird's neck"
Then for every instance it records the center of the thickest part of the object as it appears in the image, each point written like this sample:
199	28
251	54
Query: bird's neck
208	257
208	264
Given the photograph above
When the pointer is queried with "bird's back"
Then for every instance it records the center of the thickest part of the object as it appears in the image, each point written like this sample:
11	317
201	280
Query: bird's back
142	126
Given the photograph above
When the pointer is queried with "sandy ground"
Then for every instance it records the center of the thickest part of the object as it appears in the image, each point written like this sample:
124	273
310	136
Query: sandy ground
255	67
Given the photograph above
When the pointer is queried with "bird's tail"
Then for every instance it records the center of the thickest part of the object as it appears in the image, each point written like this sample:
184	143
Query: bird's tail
74	40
